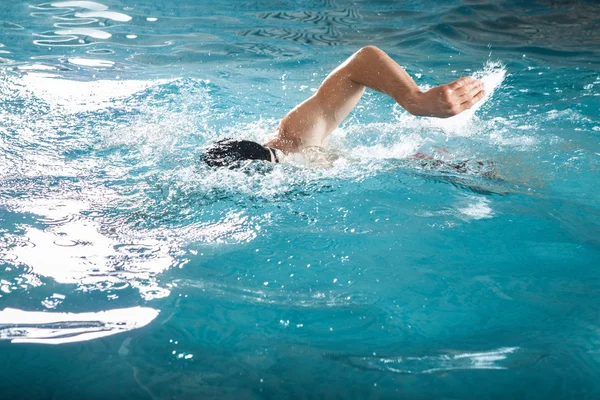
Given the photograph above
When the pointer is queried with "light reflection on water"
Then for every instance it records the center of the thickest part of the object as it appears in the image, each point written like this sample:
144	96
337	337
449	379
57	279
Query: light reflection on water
21	326
89	5
82	255
494	360
81	96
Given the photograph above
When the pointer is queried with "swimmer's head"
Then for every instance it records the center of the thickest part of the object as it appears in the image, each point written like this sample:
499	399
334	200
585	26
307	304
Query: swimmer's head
233	153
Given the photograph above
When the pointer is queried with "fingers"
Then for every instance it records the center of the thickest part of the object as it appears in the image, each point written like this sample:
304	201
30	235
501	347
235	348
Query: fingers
472	100
465	89
460	95
461	82
470	90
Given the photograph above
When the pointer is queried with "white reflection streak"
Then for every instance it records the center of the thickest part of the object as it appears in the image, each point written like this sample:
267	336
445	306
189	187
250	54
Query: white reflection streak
113	15
21	326
91	62
464	361
89	5
91	32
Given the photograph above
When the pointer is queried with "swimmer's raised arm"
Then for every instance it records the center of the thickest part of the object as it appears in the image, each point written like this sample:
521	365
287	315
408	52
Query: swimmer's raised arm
313	120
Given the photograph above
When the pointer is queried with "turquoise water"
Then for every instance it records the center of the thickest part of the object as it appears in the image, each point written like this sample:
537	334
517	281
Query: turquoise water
129	270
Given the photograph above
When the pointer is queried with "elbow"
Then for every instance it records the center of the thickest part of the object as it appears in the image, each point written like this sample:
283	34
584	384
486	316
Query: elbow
364	58
369	52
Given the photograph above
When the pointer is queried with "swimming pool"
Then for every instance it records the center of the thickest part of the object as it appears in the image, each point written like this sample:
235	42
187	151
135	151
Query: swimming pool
127	269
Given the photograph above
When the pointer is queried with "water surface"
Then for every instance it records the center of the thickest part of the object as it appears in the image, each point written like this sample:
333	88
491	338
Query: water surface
128	269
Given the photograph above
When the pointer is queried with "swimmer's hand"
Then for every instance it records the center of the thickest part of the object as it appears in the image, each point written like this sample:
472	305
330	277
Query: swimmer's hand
448	100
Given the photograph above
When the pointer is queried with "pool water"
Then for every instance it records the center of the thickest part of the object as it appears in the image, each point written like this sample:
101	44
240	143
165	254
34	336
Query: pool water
130	270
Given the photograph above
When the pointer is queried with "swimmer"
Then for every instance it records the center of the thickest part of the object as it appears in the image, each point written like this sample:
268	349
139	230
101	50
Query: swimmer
311	122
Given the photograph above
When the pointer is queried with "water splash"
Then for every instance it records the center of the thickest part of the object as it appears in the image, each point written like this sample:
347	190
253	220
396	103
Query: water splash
466	123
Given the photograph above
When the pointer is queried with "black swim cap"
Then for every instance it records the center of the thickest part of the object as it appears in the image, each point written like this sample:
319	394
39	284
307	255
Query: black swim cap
231	153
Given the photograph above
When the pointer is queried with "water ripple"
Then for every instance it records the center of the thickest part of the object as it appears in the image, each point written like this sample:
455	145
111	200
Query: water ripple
6	25
343	17
329	36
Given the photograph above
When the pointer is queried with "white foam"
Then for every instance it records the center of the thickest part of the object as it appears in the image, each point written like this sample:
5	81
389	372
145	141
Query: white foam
492	76
477	208
404	148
